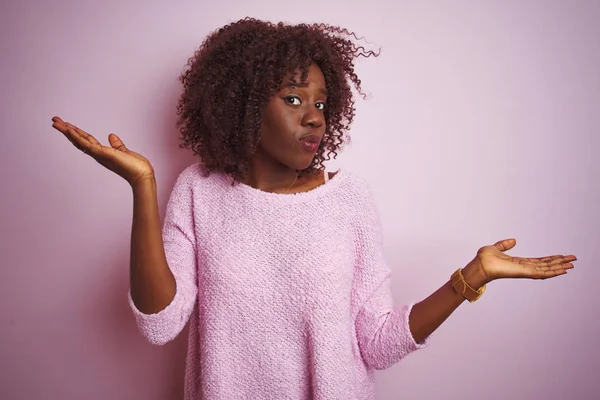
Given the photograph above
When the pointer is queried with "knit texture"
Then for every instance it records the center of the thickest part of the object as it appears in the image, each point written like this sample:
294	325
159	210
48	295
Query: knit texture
288	295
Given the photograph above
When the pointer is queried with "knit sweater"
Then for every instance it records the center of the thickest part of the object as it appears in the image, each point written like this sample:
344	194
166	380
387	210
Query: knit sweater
287	295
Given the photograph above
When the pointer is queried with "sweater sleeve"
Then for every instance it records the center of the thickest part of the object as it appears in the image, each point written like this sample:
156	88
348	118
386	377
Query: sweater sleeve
382	330
179	243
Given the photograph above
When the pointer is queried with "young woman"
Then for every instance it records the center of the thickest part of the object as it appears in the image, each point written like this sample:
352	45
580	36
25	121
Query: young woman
277	264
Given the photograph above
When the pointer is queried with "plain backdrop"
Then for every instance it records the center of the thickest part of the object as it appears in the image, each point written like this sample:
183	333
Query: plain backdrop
481	123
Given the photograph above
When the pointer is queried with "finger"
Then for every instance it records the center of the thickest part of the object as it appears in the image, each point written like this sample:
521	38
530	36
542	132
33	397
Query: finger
548	274
506	244
551	274
116	142
59	125
63	127
567	258
541	274
554	267
546	258
84	134
553	261
545	261
56	119
82	140
77	140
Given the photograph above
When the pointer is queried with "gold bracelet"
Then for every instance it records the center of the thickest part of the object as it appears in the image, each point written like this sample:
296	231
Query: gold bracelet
461	287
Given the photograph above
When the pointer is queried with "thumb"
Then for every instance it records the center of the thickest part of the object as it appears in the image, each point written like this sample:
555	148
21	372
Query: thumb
116	142
505	244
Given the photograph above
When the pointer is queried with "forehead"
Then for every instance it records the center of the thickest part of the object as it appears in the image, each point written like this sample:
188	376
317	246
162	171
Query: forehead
315	76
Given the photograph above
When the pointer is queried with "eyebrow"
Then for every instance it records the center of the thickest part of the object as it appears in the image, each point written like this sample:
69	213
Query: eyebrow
303	85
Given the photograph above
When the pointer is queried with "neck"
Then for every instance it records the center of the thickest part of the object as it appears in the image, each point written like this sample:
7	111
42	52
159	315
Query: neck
270	178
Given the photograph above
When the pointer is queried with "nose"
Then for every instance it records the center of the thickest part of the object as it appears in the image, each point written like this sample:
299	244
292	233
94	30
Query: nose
313	117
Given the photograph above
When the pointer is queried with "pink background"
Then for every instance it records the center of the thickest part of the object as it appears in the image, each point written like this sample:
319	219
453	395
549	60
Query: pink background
481	123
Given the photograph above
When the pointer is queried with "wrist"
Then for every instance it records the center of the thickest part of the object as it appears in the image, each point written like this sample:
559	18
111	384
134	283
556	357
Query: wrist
144	183
475	275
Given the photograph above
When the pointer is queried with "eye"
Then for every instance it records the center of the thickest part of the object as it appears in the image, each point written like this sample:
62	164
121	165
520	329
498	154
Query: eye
293	100
320	105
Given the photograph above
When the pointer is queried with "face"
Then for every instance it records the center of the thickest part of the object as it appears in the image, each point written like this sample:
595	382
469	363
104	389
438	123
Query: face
294	121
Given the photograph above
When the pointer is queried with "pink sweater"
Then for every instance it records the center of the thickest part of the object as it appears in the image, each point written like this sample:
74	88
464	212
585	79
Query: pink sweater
288	294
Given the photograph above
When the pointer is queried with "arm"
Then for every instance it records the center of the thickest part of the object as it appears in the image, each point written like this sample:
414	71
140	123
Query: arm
385	333
163	284
489	264
427	315
152	283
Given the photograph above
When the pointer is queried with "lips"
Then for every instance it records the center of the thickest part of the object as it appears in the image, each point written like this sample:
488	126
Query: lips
310	143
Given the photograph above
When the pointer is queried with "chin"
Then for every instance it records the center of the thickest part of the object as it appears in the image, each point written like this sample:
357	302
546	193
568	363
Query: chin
301	164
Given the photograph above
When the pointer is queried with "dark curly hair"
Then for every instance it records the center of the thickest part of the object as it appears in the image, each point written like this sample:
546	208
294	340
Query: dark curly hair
238	68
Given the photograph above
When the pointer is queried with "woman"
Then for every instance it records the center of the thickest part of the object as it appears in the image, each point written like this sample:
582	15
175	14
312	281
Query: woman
276	263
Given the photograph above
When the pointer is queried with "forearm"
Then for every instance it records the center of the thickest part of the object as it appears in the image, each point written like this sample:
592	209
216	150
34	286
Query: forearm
427	315
151	281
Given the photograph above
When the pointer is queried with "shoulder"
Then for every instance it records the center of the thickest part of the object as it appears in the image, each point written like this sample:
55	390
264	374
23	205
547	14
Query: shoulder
354	197
193	176
360	199
356	187
193	185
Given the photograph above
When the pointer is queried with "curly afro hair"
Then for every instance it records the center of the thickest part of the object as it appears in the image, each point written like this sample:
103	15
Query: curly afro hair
238	68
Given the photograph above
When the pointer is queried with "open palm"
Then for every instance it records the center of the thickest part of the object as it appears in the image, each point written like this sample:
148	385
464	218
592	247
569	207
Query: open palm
496	264
128	164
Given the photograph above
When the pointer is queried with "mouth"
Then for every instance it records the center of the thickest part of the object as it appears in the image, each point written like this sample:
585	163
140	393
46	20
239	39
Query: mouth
310	143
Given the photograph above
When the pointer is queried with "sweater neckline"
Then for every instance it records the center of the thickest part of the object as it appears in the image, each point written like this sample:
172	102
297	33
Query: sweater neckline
261	195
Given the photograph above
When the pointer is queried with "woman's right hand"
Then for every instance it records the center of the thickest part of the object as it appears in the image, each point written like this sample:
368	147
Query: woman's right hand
128	164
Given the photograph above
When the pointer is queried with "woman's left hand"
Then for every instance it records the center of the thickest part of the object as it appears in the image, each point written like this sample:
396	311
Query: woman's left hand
494	264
